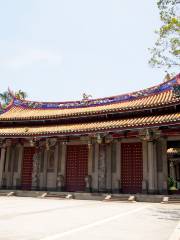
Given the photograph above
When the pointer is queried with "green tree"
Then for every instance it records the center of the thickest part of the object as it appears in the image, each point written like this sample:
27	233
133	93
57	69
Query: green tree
166	51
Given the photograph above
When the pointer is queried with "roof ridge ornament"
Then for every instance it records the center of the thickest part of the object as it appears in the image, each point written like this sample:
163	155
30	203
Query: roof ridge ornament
168	76
176	87
86	98
88	102
1	108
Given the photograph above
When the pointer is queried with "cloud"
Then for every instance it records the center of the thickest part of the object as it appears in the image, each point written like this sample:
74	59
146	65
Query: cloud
23	58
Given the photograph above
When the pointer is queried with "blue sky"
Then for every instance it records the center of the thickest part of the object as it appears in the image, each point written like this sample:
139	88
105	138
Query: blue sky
57	49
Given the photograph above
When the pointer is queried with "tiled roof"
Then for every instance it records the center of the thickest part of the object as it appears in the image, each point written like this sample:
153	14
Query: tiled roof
156	100
122	124
158	96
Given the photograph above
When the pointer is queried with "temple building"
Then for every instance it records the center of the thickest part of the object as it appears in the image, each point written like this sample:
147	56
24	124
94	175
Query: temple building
122	144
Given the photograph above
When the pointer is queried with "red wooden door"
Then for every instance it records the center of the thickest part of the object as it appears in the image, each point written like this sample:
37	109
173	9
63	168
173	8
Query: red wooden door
76	167
131	167
27	166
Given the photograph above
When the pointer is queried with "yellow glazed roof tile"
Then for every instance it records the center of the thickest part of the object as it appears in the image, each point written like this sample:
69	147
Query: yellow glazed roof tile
159	120
155	100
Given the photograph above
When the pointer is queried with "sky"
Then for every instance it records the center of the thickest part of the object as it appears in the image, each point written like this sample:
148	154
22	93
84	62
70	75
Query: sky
56	50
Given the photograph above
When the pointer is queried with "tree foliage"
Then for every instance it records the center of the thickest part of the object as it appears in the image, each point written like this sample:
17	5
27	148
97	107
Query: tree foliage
6	97
166	51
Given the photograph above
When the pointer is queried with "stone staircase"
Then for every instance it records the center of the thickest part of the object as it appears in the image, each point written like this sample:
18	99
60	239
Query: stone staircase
119	198
171	199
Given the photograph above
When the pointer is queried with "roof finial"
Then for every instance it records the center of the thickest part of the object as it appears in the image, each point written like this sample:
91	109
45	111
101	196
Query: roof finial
86	96
178	79
167	77
1	108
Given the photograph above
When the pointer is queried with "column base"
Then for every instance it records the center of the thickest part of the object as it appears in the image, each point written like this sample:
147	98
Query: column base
144	191
164	192
116	190
60	189
88	190
152	191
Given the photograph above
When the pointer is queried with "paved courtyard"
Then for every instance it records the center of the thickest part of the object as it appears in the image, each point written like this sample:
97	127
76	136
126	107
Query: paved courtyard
51	219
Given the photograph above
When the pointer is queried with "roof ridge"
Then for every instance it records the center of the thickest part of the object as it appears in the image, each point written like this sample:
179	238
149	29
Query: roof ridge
168	85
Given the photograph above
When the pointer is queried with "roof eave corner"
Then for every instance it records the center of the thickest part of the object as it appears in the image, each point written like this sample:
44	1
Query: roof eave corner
11	103
1	109
178	79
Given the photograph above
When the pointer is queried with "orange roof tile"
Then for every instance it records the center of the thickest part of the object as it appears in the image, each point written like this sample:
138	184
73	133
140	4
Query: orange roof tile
155	100
129	123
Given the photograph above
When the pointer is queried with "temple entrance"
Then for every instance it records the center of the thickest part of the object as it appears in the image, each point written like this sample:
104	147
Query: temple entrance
131	167
76	167
27	166
173	156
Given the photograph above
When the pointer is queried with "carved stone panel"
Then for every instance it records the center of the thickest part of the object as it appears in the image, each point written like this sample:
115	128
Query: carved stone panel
36	170
102	168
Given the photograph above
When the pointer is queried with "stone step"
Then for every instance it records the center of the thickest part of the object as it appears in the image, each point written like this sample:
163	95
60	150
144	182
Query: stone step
89	196
21	193
171	199
58	195
7	193
111	198
174	201
49	195
3	194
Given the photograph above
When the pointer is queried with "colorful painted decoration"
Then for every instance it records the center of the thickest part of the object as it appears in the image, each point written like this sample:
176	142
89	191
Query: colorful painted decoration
170	85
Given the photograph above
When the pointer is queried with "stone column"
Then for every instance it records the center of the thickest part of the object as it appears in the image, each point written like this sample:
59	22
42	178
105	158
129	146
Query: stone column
62	167
152	167
102	168
59	183
150	149
145	167
116	167
95	184
88	178
108	169
45	169
90	156
8	156
172	170
20	162
63	160
178	171
56	161
11	172
36	170
118	170
2	161
165	166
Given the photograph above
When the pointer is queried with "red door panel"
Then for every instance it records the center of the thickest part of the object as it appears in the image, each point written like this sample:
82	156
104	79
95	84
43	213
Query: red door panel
27	166
131	167
76	167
